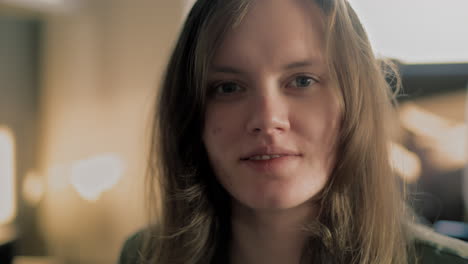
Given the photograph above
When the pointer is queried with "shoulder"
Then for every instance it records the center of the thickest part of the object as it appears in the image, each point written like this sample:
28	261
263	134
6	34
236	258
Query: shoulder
434	248
131	250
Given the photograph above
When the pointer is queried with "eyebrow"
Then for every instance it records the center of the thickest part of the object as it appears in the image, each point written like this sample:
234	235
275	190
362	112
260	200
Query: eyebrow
227	69
300	64
289	66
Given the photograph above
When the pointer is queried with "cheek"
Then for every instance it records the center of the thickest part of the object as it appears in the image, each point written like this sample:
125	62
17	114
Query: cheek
212	126
318	125
214	131
215	126
222	123
319	129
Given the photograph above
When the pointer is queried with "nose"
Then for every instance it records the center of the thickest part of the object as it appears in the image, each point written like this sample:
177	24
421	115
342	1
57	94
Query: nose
269	113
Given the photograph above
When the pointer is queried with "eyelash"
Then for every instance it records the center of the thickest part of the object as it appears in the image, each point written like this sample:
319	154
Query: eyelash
312	79
213	90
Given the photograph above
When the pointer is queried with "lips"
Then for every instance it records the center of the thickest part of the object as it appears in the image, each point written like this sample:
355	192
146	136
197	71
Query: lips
264	157
267	153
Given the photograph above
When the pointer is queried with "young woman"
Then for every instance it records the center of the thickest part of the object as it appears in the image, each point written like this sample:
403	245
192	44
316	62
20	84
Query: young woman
270	144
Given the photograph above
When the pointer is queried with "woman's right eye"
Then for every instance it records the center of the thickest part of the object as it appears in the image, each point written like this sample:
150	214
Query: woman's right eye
227	88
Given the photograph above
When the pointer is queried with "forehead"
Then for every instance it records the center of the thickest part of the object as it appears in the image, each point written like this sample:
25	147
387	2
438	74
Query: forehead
274	32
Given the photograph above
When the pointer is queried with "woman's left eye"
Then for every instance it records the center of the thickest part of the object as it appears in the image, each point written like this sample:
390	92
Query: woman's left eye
302	82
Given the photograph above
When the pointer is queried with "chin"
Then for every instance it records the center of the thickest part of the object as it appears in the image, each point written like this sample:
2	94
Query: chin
274	201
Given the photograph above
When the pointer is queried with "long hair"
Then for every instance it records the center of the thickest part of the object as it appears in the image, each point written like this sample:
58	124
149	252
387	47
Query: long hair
362	213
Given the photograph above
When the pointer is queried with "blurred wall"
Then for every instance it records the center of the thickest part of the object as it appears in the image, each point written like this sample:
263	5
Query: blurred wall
101	67
418	31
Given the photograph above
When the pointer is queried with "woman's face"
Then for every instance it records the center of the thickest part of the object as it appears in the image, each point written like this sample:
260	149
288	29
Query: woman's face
272	117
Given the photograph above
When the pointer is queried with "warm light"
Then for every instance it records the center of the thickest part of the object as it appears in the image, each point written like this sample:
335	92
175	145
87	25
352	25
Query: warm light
422	122
93	176
443	140
33	188
450	148
58	179
405	163
7	176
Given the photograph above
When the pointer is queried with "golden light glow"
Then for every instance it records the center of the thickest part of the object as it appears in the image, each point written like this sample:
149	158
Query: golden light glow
422	122
91	177
58	179
450	148
443	140
406	163
33	188
7	176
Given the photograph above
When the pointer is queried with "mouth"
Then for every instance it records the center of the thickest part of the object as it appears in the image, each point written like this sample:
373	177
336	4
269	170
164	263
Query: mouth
268	154
265	157
271	163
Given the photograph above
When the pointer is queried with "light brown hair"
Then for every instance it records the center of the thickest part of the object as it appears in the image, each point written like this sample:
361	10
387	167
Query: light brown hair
362	213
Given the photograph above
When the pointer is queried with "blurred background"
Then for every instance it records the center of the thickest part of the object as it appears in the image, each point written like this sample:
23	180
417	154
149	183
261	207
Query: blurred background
77	82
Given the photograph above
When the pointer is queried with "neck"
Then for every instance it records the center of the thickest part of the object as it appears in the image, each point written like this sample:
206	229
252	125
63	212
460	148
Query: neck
269	236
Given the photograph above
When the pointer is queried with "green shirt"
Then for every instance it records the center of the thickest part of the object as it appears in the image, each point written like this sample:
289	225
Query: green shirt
431	248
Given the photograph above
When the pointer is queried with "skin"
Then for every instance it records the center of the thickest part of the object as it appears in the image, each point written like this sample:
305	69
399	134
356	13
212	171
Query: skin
270	94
